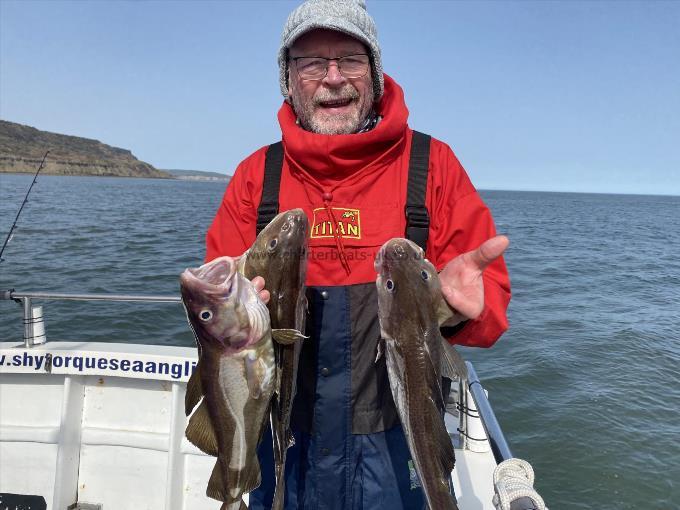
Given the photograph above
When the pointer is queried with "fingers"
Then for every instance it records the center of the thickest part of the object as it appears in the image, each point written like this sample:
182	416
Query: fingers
265	296
468	308
489	251
258	283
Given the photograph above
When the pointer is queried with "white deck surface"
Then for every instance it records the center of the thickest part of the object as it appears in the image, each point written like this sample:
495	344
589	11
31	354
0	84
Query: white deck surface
112	432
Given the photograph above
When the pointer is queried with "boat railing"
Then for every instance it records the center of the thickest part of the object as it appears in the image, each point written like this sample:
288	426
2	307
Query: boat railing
34	325
499	446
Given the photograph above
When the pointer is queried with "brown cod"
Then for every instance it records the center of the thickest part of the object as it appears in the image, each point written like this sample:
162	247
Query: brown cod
410	305
279	255
235	375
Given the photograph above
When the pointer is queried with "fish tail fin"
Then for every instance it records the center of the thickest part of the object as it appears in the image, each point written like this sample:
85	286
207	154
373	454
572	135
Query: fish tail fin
280	490
236	505
231	488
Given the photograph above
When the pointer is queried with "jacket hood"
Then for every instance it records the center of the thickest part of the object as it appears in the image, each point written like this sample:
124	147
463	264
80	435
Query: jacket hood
329	158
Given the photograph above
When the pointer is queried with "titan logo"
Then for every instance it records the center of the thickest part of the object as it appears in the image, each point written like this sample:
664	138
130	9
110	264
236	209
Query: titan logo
348	226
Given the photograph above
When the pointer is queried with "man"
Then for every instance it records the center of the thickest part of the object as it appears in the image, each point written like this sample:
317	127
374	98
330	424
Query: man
347	147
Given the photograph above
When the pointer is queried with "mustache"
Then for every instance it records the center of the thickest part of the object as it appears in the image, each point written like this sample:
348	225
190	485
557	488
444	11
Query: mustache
348	92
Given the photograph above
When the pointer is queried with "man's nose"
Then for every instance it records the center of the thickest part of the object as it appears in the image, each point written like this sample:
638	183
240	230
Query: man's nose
333	76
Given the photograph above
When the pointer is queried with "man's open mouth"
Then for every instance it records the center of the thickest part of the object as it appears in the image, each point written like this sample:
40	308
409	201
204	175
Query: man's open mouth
335	103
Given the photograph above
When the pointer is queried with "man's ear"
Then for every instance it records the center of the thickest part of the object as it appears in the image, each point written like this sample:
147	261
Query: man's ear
288	96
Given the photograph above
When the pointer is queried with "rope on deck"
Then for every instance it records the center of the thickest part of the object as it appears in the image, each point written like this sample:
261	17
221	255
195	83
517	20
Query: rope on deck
513	480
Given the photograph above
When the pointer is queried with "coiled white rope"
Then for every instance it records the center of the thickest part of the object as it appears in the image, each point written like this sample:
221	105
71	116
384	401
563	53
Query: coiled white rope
513	479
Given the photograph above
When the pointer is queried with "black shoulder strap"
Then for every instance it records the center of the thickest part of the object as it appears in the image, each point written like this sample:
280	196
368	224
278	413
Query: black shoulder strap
417	217
269	204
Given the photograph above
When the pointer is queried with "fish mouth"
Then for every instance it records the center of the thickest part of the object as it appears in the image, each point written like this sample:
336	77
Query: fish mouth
293	229
391	253
215	277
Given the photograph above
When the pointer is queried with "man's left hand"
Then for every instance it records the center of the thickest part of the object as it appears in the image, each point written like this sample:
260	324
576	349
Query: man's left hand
461	279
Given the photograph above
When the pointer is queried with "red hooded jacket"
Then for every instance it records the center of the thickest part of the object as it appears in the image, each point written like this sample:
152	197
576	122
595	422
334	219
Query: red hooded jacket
363	178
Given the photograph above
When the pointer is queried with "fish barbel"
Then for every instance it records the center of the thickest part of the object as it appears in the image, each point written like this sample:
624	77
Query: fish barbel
235	375
409	299
279	255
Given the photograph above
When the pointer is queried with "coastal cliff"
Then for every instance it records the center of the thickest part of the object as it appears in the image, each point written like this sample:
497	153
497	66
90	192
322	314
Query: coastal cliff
22	148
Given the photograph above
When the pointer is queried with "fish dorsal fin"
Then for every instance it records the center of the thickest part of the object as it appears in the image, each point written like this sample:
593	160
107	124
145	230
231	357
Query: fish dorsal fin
287	336
241	262
200	430
194	390
230	488
453	364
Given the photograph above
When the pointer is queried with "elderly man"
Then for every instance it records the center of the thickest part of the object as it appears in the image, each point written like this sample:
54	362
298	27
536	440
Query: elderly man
350	160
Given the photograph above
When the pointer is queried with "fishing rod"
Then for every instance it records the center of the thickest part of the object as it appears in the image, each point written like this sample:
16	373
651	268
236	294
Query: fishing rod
14	225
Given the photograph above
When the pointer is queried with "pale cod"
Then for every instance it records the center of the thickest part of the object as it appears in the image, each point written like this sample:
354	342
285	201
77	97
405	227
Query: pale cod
235	375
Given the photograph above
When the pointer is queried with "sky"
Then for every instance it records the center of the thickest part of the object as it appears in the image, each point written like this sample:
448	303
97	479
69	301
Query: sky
531	95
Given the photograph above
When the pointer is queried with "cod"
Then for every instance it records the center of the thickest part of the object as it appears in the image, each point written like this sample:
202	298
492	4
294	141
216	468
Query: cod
417	356
279	255
235	375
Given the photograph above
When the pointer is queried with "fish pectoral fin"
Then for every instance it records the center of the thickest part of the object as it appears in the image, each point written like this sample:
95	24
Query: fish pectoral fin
445	313
287	336
453	364
194	390
379	349
201	432
256	373
231	488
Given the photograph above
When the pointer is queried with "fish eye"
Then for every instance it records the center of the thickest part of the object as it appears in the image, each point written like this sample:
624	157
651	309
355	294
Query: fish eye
205	315
389	285
273	243
425	275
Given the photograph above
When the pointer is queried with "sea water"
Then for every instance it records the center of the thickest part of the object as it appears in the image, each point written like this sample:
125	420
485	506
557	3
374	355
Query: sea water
585	384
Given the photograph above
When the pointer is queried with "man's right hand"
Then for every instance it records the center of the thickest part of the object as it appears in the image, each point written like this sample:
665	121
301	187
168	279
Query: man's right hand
258	283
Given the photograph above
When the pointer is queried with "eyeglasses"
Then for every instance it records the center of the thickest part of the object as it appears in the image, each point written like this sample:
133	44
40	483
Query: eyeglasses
316	68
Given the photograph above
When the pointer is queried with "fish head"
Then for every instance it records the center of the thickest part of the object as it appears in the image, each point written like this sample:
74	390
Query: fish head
285	237
407	283
279	255
219	303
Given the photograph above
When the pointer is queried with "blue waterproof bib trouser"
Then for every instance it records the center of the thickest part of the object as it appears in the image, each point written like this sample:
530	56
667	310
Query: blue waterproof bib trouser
346	456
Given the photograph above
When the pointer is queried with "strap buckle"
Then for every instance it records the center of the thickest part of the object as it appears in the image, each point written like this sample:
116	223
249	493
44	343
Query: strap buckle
417	216
417	225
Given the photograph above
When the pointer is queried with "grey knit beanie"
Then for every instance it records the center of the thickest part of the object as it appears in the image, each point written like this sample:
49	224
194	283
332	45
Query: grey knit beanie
348	16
